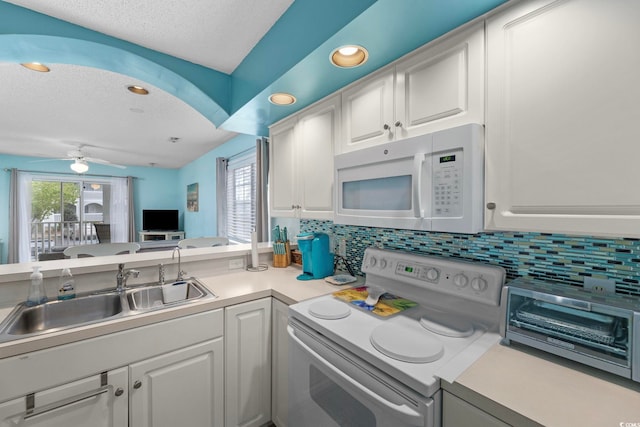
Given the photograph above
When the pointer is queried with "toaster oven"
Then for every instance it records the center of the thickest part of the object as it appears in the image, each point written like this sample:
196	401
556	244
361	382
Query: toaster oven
599	330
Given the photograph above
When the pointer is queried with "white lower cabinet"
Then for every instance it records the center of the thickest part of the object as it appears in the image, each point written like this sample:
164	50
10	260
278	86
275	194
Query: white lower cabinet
248	363
100	400
184	387
169	373
279	364
457	412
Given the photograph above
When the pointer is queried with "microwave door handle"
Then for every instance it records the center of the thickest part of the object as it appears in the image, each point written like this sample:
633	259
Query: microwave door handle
418	161
403	412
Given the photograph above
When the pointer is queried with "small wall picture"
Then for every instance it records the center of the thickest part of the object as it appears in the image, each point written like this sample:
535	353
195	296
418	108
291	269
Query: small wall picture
192	197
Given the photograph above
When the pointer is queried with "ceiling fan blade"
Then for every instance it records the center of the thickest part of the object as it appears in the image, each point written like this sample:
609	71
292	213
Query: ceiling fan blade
104	162
49	160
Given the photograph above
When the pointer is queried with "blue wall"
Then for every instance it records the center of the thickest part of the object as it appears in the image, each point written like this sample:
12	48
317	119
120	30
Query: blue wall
203	171
154	188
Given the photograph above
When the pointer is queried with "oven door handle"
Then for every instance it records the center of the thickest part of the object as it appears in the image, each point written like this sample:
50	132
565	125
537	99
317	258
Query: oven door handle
403	411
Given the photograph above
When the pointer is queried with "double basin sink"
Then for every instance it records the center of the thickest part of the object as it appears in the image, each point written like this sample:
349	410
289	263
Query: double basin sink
91	308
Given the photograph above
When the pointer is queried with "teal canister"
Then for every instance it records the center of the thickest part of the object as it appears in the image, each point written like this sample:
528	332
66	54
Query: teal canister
317	258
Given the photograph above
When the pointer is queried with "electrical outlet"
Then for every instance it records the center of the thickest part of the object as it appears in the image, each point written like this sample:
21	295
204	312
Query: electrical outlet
342	247
602	286
236	263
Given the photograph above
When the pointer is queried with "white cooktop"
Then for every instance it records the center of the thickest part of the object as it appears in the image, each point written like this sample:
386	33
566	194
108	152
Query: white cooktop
451	327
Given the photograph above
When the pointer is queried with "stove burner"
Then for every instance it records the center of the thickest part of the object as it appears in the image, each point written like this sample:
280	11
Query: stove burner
329	309
447	325
406	344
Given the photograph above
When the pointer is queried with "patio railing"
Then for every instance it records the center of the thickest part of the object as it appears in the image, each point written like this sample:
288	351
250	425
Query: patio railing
56	236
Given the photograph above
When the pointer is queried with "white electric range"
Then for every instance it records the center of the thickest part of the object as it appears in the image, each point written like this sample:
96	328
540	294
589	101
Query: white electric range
352	364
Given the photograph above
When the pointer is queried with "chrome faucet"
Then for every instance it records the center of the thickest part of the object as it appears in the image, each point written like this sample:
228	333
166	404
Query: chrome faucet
180	272
122	276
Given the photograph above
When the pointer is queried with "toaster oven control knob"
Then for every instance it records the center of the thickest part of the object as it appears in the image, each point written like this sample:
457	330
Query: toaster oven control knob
432	274
479	284
460	280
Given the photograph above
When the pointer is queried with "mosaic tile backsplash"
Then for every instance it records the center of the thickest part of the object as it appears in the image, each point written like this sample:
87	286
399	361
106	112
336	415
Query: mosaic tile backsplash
561	258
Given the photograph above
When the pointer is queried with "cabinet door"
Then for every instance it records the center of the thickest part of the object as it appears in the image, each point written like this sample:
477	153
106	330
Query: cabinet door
282	169
367	112
442	85
456	412
318	132
84	403
181	388
248	363
280	364
562	151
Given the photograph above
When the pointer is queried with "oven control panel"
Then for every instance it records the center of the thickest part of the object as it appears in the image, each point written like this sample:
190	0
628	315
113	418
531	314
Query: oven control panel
399	270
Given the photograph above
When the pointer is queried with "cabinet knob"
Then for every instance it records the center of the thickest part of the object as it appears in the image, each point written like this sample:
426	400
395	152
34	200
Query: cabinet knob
137	385
491	206
119	391
386	127
398	124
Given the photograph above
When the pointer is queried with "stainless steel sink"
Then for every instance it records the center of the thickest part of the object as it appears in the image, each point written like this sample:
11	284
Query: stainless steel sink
151	298
59	314
96	307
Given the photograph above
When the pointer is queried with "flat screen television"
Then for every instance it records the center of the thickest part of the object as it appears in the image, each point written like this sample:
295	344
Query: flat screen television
160	220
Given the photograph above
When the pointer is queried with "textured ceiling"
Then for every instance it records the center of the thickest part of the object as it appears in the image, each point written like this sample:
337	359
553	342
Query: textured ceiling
244	51
215	33
73	106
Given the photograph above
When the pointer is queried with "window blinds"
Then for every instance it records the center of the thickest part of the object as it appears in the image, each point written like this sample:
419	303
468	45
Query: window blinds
241	197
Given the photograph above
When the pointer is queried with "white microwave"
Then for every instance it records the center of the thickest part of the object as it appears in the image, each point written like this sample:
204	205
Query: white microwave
431	182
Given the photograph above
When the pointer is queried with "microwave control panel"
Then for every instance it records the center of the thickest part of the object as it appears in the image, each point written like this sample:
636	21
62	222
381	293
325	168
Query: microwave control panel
447	184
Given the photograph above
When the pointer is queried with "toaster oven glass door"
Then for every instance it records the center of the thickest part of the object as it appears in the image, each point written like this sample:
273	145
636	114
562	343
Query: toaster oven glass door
595	334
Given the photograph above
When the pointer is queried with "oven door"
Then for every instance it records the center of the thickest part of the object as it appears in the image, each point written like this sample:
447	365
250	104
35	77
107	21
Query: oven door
330	387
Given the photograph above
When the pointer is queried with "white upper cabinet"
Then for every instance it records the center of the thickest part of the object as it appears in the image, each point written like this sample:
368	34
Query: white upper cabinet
562	113
282	182
436	87
367	112
441	86
302	162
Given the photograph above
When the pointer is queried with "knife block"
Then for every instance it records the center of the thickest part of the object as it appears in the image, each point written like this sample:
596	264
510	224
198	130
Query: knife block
283	260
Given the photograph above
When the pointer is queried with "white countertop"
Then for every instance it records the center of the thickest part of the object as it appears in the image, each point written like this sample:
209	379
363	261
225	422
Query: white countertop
524	386
231	288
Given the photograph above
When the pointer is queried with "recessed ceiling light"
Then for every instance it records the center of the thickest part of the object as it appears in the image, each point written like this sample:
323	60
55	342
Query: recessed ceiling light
281	98
138	90
349	56
36	66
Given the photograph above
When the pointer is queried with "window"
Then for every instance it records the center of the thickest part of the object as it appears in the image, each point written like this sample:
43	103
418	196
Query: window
57	211
241	197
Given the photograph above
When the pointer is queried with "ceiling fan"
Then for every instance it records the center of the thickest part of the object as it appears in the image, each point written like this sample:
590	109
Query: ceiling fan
81	161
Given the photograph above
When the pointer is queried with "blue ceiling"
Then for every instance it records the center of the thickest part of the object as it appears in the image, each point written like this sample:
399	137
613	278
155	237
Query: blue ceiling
292	57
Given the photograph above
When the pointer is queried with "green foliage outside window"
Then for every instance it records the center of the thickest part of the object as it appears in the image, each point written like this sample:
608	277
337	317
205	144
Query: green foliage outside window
46	197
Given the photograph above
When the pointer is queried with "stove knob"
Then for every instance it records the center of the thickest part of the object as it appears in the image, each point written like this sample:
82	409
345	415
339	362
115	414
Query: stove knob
479	284
372	261
432	274
460	280
383	263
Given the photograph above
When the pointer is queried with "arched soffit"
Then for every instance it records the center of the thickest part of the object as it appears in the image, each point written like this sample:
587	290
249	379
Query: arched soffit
61	50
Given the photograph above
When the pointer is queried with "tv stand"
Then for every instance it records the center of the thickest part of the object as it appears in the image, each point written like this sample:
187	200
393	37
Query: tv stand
145	236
